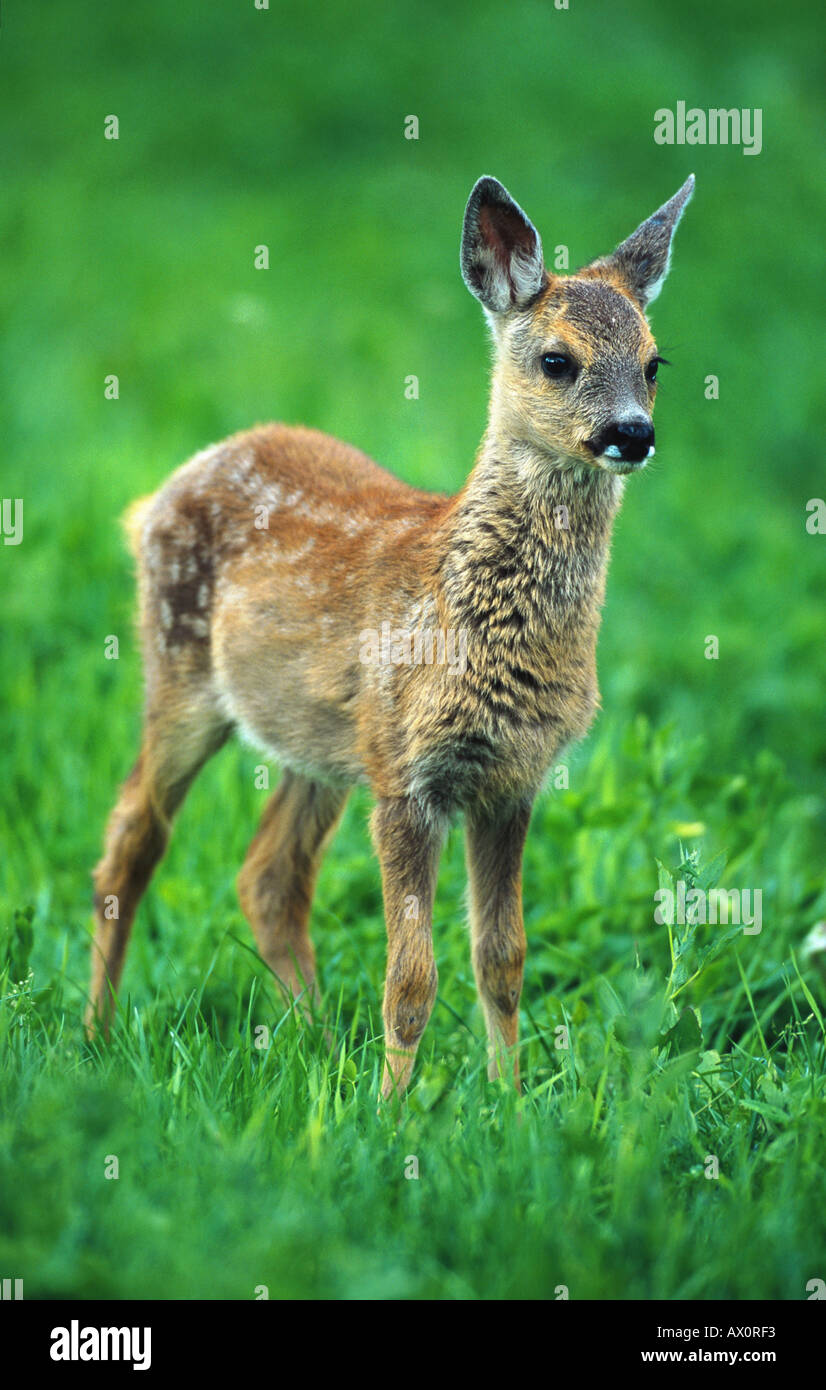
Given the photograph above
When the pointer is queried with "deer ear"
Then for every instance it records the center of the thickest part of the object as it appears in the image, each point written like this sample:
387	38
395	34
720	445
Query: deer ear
501	259
642	261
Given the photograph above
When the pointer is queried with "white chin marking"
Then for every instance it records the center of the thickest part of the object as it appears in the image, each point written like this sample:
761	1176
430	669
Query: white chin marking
651	452
612	452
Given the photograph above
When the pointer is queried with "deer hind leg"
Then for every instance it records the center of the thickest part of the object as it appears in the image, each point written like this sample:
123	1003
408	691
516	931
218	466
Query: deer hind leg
494	858
408	846
178	739
276	882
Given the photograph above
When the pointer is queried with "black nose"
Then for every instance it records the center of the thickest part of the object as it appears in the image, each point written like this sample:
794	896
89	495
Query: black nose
633	439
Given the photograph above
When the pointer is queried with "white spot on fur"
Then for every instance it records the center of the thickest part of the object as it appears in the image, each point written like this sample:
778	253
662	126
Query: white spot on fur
291	556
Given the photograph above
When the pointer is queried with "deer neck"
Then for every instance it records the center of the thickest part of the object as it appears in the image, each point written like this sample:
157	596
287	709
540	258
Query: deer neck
527	545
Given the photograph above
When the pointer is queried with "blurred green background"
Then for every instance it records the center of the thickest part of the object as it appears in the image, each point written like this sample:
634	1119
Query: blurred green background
135	257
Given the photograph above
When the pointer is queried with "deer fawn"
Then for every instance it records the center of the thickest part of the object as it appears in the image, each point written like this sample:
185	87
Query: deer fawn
293	590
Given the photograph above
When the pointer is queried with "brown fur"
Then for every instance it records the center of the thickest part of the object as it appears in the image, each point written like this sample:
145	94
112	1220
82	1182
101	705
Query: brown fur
261	629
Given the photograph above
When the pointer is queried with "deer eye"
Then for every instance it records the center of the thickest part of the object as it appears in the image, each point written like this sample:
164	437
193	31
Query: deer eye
651	369
556	364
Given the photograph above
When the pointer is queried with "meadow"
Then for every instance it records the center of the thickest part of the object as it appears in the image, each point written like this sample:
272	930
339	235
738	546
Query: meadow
669	1141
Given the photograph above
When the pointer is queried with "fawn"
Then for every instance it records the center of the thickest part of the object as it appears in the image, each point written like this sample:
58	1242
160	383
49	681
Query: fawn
266	563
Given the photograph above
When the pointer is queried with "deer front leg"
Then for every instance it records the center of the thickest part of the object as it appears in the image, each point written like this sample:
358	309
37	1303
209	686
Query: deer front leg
495	841
408	846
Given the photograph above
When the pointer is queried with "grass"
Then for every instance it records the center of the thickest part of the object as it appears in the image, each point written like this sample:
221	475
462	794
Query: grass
242	1165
